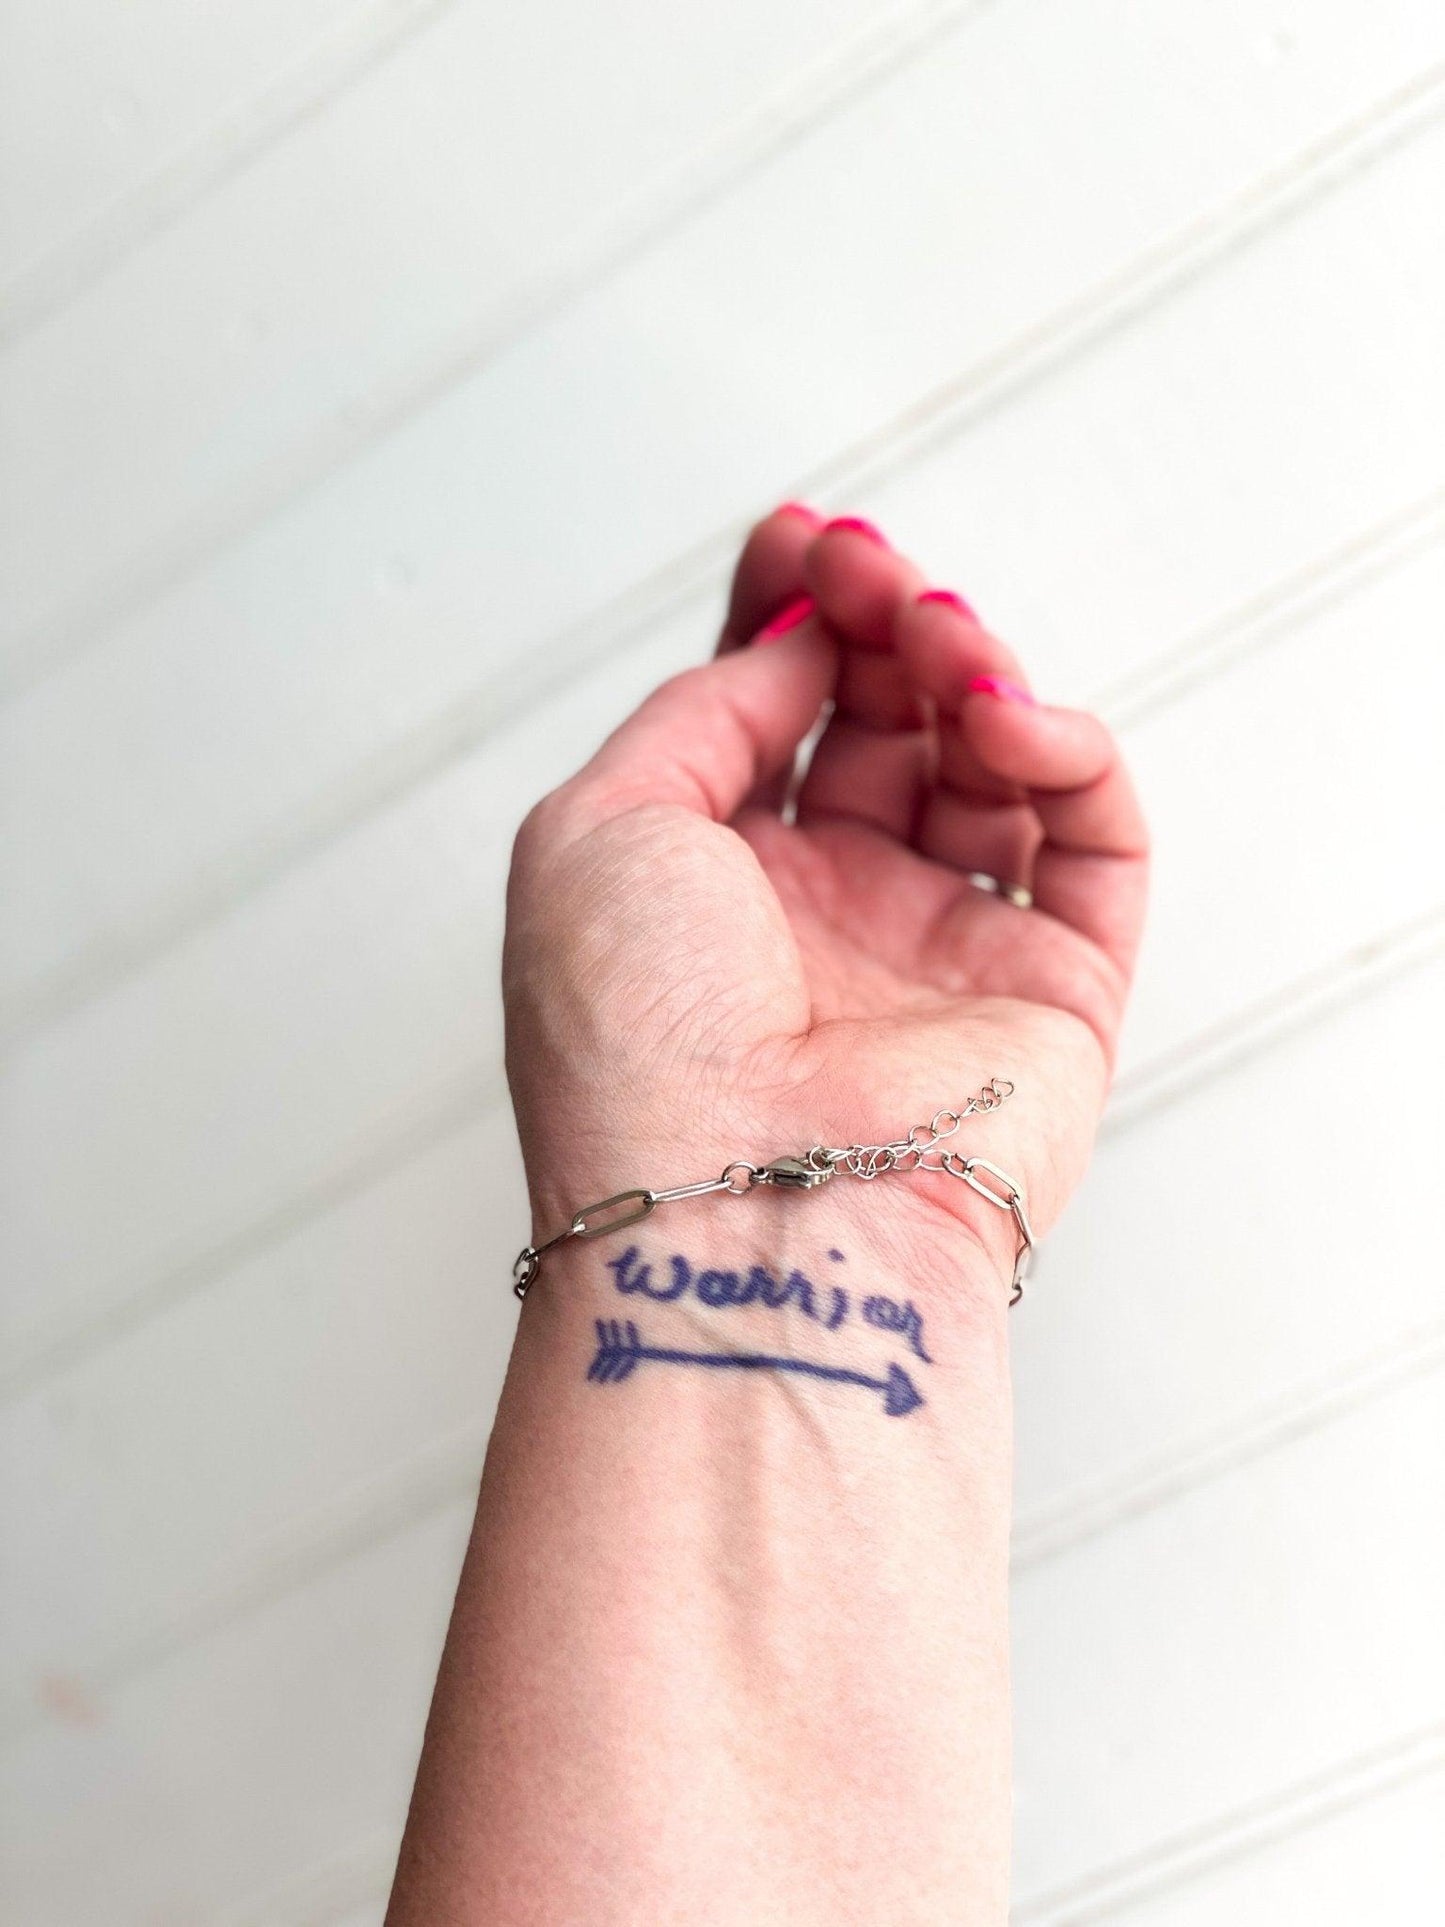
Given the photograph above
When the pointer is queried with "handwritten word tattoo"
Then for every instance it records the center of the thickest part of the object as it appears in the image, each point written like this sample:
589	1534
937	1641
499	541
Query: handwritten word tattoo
826	1305
889	1316
621	1349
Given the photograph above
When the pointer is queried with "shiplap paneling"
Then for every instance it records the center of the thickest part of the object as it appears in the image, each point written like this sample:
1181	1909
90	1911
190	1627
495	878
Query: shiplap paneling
339	1379
255	1756
1376	1861
383	943
127	828
420	215
1284	797
1199	1301
954	147
1269	1623
347	1889
99	100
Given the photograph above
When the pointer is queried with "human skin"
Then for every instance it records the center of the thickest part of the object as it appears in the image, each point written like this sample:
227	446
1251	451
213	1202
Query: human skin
730	1643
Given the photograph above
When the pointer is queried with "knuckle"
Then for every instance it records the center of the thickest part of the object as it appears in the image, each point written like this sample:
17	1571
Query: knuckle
681	686
542	829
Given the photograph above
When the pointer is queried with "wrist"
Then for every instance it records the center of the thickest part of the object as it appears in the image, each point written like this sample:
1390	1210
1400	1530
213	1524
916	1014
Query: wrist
777	1427
953	1191
908	1232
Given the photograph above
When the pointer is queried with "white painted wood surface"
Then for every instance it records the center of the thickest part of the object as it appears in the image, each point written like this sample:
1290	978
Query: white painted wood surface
383	386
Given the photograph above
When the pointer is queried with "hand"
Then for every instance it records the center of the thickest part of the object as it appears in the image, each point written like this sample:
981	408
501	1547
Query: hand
690	978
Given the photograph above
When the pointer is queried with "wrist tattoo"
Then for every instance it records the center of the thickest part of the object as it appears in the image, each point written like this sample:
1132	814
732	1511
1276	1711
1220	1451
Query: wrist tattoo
621	1348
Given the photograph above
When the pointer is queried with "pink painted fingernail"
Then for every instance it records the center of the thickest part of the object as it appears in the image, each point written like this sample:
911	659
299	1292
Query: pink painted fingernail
802	510
788	617
952	601
1000	686
859	527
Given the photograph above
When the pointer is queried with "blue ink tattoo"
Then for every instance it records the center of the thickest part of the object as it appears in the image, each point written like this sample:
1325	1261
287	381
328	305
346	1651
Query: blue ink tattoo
719	1288
641	1279
889	1316
620	1350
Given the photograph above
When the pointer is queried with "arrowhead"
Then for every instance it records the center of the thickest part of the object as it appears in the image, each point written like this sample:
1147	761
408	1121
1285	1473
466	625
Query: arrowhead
899	1394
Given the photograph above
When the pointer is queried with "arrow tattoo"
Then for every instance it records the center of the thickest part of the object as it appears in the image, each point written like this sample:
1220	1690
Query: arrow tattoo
620	1351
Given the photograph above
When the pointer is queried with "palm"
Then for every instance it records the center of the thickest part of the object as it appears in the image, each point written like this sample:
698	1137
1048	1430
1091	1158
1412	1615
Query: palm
881	931
835	984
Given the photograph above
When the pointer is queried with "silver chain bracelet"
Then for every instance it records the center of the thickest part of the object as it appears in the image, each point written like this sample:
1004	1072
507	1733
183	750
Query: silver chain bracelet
806	1172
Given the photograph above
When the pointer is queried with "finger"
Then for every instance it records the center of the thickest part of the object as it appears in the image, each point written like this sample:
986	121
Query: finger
773	790
994	844
769	572
1091	868
859	582
944	647
877	689
973	819
874	760
710	736
869	775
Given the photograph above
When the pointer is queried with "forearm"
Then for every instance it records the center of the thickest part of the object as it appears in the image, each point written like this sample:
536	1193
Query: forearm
730	1642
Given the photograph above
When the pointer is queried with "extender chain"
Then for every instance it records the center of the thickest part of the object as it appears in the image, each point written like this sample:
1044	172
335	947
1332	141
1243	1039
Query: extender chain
917	1152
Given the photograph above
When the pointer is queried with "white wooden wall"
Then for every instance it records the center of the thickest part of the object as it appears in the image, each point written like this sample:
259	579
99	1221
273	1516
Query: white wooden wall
384	386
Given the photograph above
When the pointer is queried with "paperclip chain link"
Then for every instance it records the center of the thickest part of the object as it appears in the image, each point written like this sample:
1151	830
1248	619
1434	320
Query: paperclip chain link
918	1151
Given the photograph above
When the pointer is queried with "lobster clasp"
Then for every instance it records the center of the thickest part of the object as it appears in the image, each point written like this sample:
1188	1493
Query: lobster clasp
796	1174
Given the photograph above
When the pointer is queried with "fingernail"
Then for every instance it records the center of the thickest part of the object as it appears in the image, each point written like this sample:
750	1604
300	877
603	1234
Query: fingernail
788	617
1000	686
801	509
859	527
953	601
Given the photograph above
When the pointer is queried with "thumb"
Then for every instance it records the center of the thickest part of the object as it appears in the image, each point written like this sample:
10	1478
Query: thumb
709	736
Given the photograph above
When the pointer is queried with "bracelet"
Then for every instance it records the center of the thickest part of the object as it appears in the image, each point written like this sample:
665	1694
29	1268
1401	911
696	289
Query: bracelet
805	1173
